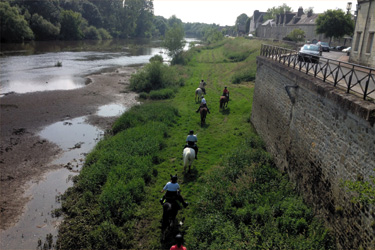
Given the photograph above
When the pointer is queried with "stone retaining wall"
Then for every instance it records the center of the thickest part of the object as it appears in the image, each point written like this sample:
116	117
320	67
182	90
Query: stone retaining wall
320	136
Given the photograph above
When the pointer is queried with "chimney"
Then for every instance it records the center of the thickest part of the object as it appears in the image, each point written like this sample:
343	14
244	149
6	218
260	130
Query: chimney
309	14
300	12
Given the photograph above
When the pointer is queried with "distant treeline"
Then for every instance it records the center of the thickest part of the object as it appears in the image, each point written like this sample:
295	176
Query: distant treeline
25	20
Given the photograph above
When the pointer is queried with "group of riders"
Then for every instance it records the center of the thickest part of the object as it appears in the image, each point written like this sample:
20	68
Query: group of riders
172	187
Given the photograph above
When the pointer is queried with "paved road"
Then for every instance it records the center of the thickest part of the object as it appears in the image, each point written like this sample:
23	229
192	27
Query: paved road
345	75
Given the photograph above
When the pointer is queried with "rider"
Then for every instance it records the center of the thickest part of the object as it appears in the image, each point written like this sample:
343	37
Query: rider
202	86
191	141
179	241
173	193
226	92
203	105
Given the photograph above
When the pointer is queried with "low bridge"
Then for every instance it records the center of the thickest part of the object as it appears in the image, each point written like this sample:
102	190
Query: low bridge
317	120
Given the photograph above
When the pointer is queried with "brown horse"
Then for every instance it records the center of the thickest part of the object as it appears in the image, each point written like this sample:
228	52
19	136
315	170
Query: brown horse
223	102
203	112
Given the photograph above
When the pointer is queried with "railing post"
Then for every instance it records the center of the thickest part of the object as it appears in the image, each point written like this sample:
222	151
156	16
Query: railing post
366	87
350	79
337	75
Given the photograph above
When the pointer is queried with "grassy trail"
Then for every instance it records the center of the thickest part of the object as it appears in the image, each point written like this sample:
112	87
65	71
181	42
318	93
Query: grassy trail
223	131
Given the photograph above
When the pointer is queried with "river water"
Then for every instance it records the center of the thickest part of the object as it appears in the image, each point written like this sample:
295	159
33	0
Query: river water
32	67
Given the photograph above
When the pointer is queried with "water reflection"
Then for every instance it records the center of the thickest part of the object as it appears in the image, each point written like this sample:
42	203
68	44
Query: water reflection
31	67
37	72
110	110
76	138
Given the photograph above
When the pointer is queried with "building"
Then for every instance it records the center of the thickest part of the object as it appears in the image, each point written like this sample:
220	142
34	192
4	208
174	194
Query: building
286	23
363	48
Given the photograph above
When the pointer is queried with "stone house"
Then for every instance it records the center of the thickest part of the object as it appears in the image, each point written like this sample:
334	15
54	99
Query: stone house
363	48
286	23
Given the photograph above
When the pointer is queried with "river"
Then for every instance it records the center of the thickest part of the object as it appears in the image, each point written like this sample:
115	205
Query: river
32	67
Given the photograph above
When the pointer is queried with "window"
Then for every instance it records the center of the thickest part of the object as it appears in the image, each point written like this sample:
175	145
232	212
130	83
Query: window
357	41
370	41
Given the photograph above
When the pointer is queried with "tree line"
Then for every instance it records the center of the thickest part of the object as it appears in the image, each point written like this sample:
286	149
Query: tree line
24	20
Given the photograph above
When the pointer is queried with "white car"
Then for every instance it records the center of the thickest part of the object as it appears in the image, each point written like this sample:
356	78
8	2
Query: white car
347	49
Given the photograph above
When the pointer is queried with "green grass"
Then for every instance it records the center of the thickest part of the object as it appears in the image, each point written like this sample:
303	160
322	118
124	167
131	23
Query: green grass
238	199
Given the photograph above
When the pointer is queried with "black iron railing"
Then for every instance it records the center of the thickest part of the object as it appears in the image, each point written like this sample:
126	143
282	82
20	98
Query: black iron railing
352	77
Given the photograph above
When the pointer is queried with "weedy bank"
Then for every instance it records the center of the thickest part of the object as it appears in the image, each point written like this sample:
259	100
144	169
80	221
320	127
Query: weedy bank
238	199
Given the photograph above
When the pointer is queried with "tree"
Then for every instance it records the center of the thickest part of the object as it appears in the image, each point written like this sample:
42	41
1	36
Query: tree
43	29
274	11
297	35
334	23
13	26
174	38
241	22
70	25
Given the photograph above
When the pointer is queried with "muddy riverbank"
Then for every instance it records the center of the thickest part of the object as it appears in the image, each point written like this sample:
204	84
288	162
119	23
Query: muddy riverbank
24	156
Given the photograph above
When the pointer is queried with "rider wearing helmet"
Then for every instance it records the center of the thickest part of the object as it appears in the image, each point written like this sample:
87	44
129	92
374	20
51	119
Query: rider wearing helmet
202	86
191	141
226	92
173	193
203	105
179	241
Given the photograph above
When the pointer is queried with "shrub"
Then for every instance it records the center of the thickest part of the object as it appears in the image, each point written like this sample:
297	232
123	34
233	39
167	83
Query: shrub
161	94
156	58
104	34
92	33
153	76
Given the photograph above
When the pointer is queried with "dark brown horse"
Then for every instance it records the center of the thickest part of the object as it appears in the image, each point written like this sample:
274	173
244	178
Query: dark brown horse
223	102
203	112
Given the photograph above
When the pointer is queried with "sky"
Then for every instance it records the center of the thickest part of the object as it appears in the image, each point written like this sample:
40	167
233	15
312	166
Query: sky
225	12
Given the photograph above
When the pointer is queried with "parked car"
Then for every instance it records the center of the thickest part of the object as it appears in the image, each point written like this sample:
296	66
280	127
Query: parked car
340	48
309	53
325	46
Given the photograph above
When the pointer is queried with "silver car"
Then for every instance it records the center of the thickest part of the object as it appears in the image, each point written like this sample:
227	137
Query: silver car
309	53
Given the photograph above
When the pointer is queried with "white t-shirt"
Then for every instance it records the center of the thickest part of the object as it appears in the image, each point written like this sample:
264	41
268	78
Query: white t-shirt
203	101
171	187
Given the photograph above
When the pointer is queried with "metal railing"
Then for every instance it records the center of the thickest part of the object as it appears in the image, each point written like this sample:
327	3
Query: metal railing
353	78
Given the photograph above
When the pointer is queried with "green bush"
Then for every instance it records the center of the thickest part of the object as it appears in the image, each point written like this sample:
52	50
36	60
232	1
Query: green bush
161	94
156	58
104	34
153	76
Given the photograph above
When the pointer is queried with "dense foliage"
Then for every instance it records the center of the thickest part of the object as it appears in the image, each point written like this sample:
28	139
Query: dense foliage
334	23
103	203
24	20
154	76
297	35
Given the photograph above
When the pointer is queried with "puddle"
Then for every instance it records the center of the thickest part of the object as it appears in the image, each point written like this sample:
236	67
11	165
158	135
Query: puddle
111	110
76	138
36	222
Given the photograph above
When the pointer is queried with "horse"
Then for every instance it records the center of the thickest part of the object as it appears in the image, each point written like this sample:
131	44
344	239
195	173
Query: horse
223	101
188	155
170	210
198	93
203	112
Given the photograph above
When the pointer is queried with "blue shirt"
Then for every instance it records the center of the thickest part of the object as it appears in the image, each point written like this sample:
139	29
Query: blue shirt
171	187
192	138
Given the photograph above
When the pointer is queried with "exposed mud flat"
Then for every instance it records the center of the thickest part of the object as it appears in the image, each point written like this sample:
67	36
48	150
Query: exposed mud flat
26	156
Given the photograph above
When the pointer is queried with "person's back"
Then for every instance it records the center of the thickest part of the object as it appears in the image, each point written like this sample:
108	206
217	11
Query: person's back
202	86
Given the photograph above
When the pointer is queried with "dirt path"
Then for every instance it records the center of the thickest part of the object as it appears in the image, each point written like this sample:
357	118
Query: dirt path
24	156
